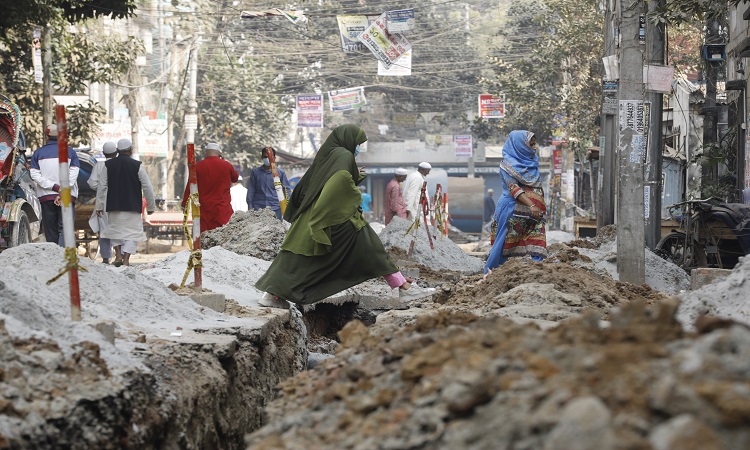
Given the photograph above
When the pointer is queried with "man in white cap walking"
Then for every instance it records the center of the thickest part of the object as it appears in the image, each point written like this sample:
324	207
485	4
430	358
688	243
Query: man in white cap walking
109	149
413	189
215	178
45	171
238	192
394	200
122	185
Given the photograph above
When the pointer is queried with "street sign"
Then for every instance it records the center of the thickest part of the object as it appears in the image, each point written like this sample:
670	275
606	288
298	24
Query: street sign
191	121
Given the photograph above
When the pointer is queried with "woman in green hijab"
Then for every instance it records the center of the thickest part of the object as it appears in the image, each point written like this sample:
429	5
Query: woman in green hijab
329	247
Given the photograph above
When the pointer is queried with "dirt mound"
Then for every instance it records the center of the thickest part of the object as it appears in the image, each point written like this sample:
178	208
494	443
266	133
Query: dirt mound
256	233
445	256
552	283
459	381
607	233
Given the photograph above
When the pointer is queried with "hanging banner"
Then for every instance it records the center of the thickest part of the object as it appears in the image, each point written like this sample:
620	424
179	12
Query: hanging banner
36	57
386	47
463	145
347	99
310	111
491	106
399	20
400	68
350	27
152	137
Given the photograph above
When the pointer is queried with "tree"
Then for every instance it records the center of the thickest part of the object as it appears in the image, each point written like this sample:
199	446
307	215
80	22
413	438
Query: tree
86	56
236	108
549	68
20	13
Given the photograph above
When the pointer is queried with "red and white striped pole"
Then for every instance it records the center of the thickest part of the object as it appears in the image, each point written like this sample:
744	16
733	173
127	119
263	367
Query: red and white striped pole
66	201
446	214
196	211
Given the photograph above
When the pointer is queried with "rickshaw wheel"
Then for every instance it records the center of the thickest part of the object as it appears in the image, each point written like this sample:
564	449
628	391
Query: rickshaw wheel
673	247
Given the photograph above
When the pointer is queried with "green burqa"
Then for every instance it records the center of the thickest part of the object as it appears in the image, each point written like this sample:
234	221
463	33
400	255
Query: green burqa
329	247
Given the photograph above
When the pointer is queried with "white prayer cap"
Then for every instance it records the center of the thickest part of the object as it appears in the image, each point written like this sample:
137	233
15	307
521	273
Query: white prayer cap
124	145
425	165
212	146
109	148
52	129
400	171
239	177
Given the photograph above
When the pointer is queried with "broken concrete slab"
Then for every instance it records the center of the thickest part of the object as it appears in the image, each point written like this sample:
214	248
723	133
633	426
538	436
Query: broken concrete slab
703	276
217	302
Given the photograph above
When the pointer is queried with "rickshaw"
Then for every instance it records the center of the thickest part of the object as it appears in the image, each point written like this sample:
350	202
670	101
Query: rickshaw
711	234
21	210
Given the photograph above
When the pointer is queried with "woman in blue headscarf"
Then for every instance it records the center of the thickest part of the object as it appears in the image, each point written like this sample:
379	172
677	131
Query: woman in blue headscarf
519	213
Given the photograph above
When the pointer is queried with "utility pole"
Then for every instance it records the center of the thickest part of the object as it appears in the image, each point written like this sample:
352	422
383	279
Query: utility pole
191	122
653	188
631	256
709	110
47	113
605	211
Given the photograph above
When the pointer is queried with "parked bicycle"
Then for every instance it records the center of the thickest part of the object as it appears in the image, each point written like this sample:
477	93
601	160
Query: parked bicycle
711	234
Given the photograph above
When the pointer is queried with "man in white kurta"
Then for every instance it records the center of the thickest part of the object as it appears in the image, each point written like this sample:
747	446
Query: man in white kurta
413	190
122	185
238	192
109	149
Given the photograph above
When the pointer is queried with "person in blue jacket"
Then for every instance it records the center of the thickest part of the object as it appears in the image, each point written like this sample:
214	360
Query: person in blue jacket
261	192
45	171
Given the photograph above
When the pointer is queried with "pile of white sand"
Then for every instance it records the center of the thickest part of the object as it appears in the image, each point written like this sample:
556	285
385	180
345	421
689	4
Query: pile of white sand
559	236
445	256
728	298
223	271
661	274
30	307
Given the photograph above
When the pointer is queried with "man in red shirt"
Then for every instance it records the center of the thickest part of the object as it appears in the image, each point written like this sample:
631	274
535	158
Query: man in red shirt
394	200
215	178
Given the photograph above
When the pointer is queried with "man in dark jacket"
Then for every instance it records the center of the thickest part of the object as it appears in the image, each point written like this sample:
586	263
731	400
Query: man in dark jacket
45	171
261	192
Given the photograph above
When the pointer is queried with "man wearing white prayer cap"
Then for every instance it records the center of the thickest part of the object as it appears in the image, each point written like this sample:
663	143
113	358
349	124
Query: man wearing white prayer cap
394	200
122	186
109	149
215	179
413	189
124	145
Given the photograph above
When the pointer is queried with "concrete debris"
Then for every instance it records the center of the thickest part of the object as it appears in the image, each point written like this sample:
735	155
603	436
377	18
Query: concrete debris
256	233
457	380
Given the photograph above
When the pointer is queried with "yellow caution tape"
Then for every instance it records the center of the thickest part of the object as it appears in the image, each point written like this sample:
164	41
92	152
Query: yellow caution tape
196	257
71	258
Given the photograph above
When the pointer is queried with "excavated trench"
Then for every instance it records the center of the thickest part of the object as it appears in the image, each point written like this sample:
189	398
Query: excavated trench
206	392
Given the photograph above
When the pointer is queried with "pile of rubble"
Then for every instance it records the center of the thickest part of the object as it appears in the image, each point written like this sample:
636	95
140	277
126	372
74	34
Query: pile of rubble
552	355
727	298
445	256
256	233
457	380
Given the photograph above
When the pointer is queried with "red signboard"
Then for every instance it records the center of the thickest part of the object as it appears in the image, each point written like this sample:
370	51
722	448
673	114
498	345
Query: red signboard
491	106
